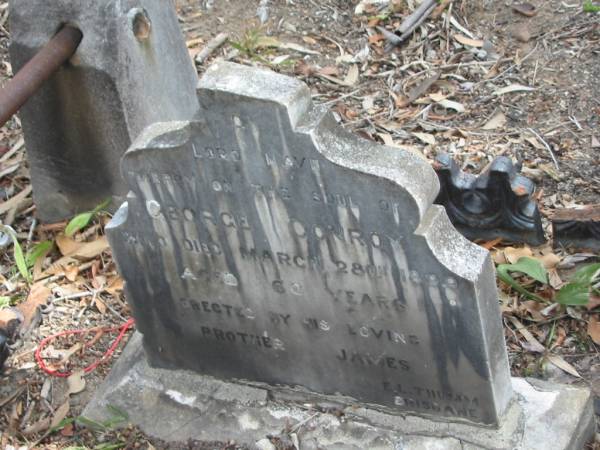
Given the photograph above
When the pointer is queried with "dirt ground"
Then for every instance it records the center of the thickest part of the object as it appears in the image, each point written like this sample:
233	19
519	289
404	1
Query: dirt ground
476	80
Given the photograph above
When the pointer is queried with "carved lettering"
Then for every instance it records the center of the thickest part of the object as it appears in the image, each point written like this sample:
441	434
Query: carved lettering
368	360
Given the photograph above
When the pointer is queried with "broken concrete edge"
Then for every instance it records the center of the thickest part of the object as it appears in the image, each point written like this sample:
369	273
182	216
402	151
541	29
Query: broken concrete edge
182	405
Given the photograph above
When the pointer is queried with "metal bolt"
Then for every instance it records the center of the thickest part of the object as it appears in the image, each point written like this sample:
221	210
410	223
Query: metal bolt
141	24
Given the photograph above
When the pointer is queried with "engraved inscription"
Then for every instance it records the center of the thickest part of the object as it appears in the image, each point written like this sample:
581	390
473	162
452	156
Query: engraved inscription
262	244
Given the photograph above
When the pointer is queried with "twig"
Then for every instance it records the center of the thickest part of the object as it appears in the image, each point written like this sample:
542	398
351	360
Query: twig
31	230
417	24
74	296
416	17
211	46
335	100
11	397
531	130
460	28
51	278
525	58
409	25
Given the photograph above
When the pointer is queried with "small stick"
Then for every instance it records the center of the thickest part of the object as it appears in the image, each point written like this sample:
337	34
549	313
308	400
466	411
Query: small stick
416	24
211	46
74	296
416	17
547	147
409	25
31	230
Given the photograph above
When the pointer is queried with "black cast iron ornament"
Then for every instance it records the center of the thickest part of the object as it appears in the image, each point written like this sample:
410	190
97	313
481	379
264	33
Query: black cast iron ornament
495	204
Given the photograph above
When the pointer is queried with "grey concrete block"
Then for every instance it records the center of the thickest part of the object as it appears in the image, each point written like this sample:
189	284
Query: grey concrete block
81	122
177	405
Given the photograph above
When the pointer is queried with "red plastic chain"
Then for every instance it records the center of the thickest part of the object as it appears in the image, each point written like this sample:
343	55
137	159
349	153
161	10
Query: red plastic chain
122	330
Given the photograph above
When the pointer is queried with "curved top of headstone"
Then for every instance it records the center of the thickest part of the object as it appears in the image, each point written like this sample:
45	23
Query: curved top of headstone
266	243
225	84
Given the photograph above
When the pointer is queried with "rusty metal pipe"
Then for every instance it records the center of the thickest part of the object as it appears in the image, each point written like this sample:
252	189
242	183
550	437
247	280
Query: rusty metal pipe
39	69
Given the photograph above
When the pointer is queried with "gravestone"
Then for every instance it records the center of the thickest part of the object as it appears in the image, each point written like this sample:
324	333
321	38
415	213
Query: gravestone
131	69
267	250
265	243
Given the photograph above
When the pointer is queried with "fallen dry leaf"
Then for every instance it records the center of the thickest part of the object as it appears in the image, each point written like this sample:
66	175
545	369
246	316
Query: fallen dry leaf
450	104
100	305
513	88
37	427
534	309
549	260
60	414
38	295
375	38
303	68
15	200
76	382
594	329
468	41
491	244
554	279
329	70
513	254
559	362
352	76
499	257
425	138
535	143
66	354
498	120
534	345
115	285
561	335
88	250
297	48
66	245
68	430
386	138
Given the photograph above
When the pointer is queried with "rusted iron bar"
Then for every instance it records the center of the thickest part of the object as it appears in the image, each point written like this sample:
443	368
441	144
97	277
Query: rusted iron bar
41	67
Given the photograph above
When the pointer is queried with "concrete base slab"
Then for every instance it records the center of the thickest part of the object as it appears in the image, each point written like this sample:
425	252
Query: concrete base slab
181	405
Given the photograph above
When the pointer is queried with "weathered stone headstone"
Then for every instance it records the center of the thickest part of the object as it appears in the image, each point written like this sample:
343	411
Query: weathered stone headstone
311	289
132	69
264	243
